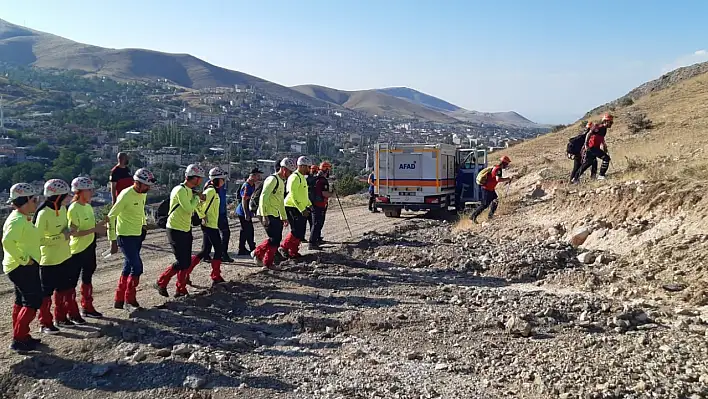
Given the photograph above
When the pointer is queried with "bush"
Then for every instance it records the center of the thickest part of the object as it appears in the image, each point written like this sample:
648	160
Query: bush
638	122
558	128
626	102
348	185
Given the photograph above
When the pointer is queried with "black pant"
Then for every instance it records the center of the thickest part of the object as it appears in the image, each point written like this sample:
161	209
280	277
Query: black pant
56	277
28	286
318	217
225	231
298	222
372	201
591	156
212	239
578	163
274	231
246	235
84	265
181	243
489	200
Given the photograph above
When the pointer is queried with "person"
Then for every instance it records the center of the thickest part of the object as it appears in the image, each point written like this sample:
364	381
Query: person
489	195
20	244
245	216
127	229
271	211
595	147
208	211
372	193
55	262
311	178
320	200
83	226
120	177
184	200
297	208
575	152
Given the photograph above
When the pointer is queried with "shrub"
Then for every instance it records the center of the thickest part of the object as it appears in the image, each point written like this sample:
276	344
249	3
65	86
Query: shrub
638	122
348	185
626	102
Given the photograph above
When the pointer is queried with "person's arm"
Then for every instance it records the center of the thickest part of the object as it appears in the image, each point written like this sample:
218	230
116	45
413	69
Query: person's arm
281	205
208	198
586	144
186	201
73	220
11	243
324	188
41	225
112	217
370	180
301	195
245	199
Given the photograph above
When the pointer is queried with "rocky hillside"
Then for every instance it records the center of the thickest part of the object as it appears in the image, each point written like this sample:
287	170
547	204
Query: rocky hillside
419	98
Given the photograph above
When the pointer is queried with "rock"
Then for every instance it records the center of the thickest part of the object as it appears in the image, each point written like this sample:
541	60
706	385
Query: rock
685	312
140	355
578	237
414	356
674	287
194	382
442	366
586	258
94	334
605	259
164	352
181	350
100	370
515	325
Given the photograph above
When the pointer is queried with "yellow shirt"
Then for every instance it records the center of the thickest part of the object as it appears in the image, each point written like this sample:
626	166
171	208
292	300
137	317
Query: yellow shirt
298	196
272	203
211	215
183	204
20	242
54	246
83	218
127	217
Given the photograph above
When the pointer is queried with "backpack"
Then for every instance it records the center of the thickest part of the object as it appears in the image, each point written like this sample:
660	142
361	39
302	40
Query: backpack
163	213
239	198
256	196
575	144
483	175
311	182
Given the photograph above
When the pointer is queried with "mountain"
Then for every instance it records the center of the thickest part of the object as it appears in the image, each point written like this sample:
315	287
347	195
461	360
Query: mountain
374	102
28	47
509	118
419	98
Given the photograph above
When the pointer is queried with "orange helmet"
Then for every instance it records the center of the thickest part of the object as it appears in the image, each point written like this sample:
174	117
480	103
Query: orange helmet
607	118
505	159
325	166
589	125
314	169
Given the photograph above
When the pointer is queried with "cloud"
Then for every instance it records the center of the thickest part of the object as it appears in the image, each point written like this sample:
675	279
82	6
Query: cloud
686	60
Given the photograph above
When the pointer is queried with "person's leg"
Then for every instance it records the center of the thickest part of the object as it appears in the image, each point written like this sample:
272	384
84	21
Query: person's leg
137	271
494	202
590	159
48	284
605	161
214	236
275	235
225	231
577	163
87	270
316	232
593	169
128	258
484	204
243	235
73	269
29	287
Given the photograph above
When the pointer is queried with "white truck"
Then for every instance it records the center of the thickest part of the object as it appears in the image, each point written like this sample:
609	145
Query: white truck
421	177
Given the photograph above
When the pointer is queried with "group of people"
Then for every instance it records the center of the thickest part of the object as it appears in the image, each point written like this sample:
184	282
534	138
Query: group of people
586	148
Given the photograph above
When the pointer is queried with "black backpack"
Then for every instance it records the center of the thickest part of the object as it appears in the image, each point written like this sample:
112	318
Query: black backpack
575	144
256	197
164	212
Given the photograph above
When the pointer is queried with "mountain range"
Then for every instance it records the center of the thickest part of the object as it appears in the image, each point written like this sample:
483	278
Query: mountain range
29	47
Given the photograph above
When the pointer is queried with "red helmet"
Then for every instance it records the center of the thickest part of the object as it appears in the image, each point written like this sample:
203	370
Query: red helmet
589	125
505	159
607	117
325	166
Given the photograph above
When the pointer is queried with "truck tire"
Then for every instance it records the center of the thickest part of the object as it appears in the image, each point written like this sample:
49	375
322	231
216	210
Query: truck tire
392	212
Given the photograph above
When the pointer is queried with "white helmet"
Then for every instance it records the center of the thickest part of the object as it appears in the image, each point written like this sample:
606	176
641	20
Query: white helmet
56	187
20	190
82	183
144	176
218	173
289	164
194	170
304	160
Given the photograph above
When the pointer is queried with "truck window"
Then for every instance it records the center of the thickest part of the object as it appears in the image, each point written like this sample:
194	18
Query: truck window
469	162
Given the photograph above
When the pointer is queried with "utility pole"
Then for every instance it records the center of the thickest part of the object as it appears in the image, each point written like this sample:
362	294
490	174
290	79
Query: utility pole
2	117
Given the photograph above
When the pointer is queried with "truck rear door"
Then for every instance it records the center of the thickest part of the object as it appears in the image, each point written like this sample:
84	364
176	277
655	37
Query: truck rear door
406	177
470	163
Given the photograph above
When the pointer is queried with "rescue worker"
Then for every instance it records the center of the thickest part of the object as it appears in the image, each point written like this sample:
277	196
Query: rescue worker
489	194
55	263
208	211
120	177
320	200
575	152
271	210
127	229
20	244
184	200
372	193
595	147
245	216
84	228
297	208
224	228
314	169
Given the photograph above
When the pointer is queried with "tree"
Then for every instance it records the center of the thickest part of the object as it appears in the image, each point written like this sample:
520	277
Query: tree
69	164
43	150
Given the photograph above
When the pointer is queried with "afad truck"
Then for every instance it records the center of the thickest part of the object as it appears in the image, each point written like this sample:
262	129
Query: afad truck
424	177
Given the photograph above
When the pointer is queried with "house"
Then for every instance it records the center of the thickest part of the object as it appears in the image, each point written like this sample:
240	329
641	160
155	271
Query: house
298	146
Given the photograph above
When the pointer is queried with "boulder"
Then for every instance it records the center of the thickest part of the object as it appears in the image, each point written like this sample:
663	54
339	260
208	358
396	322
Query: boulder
578	236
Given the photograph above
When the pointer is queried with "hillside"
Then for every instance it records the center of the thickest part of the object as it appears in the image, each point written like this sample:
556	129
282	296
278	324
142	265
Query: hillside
374	102
419	98
509	118
28	47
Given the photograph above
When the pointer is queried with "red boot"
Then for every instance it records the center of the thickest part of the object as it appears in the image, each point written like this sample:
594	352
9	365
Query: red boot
287	242
87	297
21	328
216	271
182	277
164	280
195	261
269	258
131	290
261	249
120	292
45	313
72	308
15	313
294	248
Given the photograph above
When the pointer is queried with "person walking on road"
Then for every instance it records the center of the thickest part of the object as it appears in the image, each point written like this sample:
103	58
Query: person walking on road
20	245
84	228
127	229
489	194
576	153
55	263
595	147
271	211
297	208
184	200
372	193
320	200
314	169
245	216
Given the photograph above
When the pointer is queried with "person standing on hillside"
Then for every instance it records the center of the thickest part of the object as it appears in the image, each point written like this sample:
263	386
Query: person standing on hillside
298	208
311	178
320	200
245	216
120	177
21	254
575	152
127	227
372	193
489	194
595	147
271	210
184	200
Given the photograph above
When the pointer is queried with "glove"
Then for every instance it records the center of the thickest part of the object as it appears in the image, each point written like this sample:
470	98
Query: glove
306	212
265	221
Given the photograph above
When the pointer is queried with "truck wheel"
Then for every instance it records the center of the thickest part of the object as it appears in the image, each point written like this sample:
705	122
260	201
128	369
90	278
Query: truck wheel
392	212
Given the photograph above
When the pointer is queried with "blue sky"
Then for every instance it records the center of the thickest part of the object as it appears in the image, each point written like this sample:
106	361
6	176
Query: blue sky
548	60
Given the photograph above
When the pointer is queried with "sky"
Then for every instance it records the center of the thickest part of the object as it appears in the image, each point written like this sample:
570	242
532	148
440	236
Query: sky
549	60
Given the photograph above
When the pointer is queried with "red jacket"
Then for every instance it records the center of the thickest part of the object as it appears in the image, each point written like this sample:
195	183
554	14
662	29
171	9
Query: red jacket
493	178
